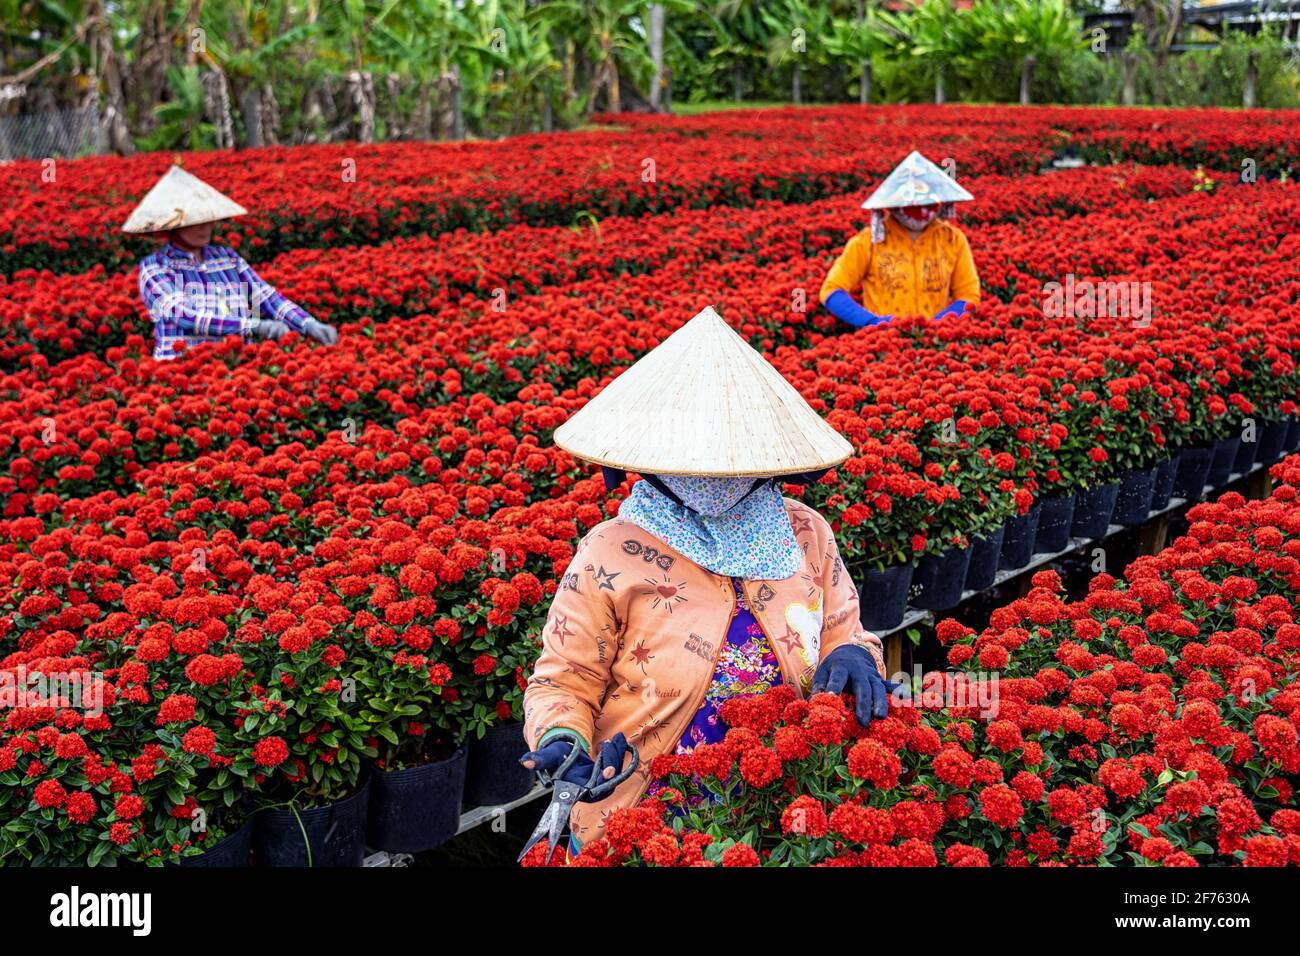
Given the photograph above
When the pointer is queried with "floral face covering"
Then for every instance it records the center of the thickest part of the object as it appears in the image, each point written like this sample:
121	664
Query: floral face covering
721	524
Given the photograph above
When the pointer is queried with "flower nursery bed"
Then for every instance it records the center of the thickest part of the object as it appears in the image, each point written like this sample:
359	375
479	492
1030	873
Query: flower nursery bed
1152	723
300	571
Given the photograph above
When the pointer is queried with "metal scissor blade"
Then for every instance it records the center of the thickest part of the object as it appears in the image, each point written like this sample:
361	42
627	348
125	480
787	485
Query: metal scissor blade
554	819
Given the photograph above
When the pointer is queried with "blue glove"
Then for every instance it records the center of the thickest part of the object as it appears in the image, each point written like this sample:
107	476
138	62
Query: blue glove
841	305
852	668
958	309
551	755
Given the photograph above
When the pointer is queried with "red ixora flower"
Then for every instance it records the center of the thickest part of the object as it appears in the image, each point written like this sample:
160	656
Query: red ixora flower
270	752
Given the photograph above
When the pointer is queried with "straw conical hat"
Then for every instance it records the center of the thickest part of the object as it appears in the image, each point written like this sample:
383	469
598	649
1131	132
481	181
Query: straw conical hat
703	403
916	182
179	199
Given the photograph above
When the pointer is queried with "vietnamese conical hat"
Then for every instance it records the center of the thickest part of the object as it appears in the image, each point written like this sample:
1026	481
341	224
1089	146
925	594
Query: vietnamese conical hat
180	199
703	402
916	182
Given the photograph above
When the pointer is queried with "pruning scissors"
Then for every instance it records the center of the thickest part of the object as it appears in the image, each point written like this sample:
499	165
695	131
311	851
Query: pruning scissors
565	794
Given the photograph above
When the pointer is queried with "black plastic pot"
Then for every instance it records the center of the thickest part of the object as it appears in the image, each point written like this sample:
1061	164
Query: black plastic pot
417	809
230	851
493	774
1246	452
1133	503
883	595
329	836
1225	453
1093	510
1054	523
940	579
1163	489
1292	434
1272	439
985	552
1018	539
1193	472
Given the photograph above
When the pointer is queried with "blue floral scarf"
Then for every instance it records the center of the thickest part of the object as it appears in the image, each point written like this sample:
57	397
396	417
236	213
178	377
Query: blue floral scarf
721	524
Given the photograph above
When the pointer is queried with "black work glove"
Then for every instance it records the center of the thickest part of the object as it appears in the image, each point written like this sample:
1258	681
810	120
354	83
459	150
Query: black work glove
852	668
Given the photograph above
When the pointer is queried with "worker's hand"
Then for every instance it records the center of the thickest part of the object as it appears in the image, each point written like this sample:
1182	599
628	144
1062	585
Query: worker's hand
549	757
957	309
321	332
852	668
841	305
270	329
613	754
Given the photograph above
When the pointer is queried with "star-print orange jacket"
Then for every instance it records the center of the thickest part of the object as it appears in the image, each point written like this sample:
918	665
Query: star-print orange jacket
634	633
904	277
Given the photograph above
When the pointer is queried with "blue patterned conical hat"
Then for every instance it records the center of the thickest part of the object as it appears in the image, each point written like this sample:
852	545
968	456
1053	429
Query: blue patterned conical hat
916	182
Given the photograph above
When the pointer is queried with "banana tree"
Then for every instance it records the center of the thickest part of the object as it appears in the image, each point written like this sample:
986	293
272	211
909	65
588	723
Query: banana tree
1025	32
246	40
611	35
796	37
929	34
860	41
180	120
435	42
739	46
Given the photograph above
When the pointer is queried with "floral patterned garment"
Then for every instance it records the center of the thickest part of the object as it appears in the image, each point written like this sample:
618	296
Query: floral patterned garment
746	665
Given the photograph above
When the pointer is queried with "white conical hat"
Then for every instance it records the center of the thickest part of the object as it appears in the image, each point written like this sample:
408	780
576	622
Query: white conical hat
916	182
703	402
180	199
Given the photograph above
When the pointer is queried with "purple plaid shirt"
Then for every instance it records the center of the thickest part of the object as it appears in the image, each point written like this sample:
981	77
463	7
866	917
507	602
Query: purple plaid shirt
205	298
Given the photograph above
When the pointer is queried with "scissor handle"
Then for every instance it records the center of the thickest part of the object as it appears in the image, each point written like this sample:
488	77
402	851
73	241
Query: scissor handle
548	777
598	787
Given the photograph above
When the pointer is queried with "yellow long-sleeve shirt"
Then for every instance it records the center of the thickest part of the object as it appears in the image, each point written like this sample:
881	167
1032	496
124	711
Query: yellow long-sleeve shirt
902	276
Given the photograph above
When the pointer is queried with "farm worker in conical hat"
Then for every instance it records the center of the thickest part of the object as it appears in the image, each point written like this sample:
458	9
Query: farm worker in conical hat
709	584
197	292
911	260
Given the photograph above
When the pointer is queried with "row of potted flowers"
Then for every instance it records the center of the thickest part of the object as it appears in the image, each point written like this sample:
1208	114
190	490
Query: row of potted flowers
1151	723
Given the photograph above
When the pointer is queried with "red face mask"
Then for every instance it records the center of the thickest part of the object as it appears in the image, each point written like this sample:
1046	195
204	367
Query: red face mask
922	213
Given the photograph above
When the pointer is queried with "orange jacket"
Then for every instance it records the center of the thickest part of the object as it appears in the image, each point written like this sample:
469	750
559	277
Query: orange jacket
635	630
905	277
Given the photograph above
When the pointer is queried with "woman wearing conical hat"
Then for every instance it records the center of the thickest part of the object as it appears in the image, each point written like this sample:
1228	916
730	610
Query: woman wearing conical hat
197	292
709	584
911	260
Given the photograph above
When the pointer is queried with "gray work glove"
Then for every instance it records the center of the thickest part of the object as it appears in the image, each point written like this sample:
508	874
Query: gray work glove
322	333
270	329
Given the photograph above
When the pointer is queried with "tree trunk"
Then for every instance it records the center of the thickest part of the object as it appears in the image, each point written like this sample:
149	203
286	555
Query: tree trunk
939	97
1129	96
362	92
457	110
1175	23
1026	78
424	113
737	82
270	115
113	122
250	104
795	91
216	107
656	52
864	90
1252	75
392	114
615	94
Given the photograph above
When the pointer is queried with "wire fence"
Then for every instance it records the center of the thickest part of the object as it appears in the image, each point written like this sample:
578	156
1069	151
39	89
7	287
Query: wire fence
72	132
